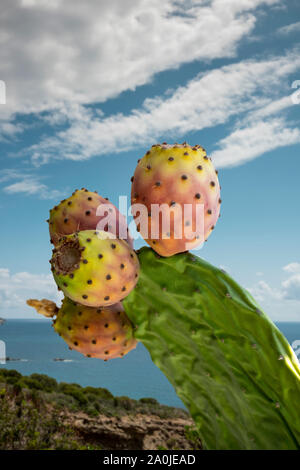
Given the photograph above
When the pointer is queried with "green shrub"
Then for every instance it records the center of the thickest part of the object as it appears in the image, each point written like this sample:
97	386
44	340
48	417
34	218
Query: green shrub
10	373
10	376
48	384
17	388
63	401
22	426
99	392
124	402
74	391
150	401
32	384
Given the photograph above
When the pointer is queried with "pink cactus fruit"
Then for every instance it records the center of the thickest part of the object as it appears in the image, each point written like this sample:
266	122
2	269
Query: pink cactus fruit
174	177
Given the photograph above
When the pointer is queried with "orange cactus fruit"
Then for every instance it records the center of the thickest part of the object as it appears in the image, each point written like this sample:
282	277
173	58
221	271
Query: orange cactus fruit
103	333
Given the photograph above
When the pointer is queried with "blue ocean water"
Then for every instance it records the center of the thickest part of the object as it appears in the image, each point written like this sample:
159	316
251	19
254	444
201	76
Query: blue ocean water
135	375
35	341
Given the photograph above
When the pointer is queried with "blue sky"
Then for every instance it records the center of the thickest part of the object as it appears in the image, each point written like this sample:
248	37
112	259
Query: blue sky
90	86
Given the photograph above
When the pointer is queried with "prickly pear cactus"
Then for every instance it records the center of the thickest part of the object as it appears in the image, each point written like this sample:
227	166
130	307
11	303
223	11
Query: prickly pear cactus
230	365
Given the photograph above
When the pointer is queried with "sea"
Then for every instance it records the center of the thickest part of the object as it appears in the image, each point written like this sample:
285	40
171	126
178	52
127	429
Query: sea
32	346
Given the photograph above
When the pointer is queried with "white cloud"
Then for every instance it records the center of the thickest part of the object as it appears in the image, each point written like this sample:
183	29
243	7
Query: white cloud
27	184
210	99
4	273
15	289
41	3
282	303
9	174
55	51
292	268
274	301
249	142
9	129
290	28
56	58
262	290
291	287
30	186
270	108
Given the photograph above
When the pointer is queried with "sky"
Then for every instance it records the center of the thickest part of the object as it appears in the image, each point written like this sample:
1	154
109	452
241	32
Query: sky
90	86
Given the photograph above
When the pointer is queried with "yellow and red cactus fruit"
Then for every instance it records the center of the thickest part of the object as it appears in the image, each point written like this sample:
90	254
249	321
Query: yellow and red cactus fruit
79	212
172	176
94	268
104	333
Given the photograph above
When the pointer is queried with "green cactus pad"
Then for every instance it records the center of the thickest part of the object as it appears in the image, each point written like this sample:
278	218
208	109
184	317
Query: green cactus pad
230	365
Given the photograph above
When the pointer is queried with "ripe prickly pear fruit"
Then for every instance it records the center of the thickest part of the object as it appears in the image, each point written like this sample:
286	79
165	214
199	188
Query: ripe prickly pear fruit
104	333
79	212
93	268
175	176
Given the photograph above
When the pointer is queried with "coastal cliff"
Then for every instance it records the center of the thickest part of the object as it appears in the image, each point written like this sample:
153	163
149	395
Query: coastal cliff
36	412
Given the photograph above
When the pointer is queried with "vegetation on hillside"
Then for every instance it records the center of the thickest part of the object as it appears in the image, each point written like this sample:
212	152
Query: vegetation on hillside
31	408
